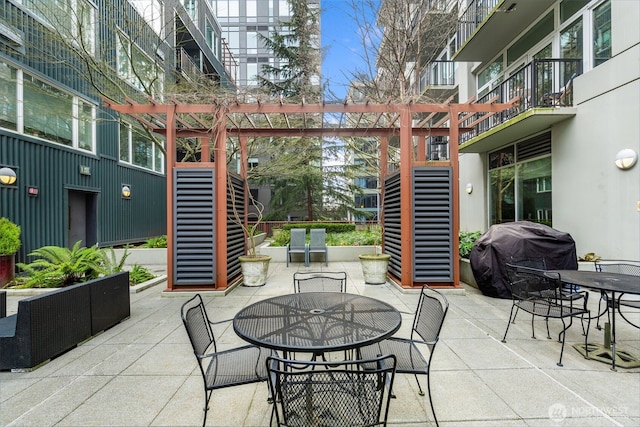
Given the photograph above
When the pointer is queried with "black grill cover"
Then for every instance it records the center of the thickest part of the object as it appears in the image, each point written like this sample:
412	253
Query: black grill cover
522	239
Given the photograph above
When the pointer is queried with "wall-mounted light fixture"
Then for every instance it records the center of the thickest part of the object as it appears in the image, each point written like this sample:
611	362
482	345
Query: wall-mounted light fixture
126	191
469	188
7	176
625	159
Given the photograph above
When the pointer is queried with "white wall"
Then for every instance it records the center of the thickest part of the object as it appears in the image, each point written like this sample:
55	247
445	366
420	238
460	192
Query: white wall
593	200
473	207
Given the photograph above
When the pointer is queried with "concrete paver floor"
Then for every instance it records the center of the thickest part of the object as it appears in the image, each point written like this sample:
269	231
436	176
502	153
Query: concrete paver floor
142	372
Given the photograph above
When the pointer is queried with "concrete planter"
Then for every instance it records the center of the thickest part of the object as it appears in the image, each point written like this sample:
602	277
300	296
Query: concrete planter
254	269
374	268
144	256
466	274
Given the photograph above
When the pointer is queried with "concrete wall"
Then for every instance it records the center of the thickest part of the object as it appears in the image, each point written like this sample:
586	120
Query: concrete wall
593	200
473	207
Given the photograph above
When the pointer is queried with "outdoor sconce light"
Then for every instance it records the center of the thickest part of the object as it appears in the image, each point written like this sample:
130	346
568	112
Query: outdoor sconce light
469	188
625	159
126	192
7	176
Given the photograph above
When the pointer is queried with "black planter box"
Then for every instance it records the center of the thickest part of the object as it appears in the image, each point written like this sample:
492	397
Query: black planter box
50	324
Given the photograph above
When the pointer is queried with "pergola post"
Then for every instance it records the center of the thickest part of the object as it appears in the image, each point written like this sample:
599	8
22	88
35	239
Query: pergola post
406	199
170	139
454	113
220	156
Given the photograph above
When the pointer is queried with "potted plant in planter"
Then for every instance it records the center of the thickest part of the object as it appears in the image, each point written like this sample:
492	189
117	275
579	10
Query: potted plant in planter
375	265
253	265
9	246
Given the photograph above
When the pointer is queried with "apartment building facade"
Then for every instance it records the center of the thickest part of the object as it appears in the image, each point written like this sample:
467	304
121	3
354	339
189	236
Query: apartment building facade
565	154
83	172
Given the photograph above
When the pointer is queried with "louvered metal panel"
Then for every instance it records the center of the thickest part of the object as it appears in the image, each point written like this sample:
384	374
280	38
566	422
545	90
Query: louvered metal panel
235	235
432	224
392	237
194	227
534	147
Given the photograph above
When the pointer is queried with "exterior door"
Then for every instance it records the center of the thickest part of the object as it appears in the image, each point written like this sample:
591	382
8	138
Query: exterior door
82	218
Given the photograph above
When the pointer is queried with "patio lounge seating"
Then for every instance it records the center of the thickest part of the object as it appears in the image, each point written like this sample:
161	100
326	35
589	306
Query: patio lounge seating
540	293
331	393
425	332
318	244
219	369
324	281
298	245
630	301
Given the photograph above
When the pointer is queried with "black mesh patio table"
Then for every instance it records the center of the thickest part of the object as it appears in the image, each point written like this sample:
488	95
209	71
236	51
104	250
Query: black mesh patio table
316	322
606	282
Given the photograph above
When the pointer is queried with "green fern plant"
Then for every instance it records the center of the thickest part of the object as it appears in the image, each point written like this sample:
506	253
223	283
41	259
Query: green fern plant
58	267
139	274
111	263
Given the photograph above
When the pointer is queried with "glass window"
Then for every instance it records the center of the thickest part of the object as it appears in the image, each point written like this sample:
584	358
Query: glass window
138	149
571	41
86	26
568	8
490	77
191	7
534	190
519	191
252	42
86	126
125	155
252	72
8	96
602	33
48	112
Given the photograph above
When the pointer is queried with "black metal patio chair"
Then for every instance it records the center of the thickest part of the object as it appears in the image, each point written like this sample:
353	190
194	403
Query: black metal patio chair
629	301
320	281
219	369
339	394
425	333
540	293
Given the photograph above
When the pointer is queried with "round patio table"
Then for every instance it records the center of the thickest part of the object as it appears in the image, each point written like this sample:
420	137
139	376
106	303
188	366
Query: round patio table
316	322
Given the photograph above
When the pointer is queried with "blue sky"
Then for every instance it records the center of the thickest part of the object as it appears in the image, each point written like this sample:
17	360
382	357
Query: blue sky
341	44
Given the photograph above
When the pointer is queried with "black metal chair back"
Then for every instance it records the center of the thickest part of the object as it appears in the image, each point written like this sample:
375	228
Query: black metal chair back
219	369
430	314
324	281
331	393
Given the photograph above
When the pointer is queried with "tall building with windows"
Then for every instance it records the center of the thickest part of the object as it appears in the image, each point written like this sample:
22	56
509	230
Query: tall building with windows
84	173
565	154
243	24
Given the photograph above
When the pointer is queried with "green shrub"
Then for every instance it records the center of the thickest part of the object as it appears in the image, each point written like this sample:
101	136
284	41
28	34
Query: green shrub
57	267
467	239
156	242
331	227
9	237
139	274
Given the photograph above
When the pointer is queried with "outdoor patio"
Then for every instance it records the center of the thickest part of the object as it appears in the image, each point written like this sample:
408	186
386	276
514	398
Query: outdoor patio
142	372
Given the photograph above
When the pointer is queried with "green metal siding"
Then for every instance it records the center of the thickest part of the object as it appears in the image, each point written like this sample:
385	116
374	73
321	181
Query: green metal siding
55	170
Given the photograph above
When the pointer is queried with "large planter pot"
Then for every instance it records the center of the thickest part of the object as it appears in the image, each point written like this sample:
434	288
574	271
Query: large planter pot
254	269
7	269
374	268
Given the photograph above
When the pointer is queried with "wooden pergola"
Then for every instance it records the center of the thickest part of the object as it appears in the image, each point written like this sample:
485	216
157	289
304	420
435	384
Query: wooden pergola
212	123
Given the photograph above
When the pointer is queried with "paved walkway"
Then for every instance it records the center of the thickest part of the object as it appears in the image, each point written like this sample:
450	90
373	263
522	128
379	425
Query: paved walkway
142	372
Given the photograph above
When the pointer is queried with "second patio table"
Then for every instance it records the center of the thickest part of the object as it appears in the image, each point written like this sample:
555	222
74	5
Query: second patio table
316	322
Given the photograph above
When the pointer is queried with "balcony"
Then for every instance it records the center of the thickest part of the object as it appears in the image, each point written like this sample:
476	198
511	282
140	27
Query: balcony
438	79
542	95
487	26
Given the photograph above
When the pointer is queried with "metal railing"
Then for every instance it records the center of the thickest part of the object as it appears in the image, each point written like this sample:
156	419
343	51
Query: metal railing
437	73
188	66
542	83
476	12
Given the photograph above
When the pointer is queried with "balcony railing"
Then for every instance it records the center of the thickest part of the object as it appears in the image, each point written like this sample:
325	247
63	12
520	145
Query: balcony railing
229	62
437	73
477	11
542	83
188	66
